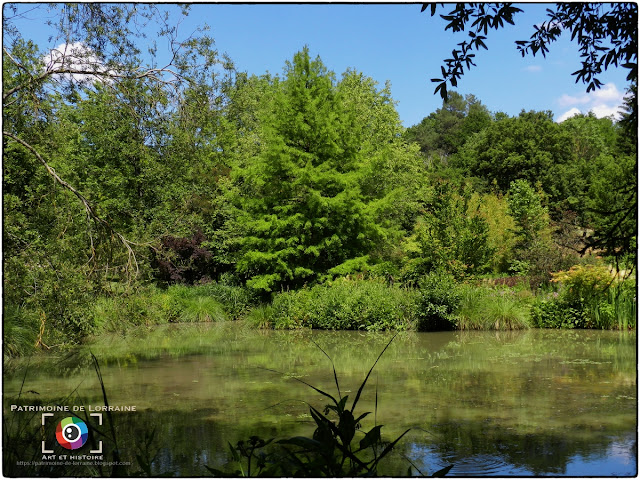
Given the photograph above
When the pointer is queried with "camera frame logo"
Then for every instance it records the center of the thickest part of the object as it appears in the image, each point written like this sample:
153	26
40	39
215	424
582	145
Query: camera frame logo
72	433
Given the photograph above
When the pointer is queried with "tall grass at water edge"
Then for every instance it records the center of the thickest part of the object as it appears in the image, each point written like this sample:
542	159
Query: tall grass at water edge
483	308
21	328
438	304
178	303
618	310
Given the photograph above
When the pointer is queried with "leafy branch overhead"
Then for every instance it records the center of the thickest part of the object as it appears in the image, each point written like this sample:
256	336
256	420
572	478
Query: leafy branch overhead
606	35
98	55
485	17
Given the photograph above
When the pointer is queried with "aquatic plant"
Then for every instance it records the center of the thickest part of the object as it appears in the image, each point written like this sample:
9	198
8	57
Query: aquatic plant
261	316
618	308
588	296
202	309
332	450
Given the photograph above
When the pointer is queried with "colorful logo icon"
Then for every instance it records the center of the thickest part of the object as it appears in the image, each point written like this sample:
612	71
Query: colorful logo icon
72	433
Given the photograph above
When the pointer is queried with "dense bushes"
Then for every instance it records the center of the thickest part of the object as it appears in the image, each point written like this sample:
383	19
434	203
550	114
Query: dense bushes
345	305
588	296
438	302
553	312
183	260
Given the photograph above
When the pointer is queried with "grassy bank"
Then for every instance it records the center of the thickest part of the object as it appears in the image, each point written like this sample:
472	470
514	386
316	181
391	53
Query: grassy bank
212	302
581	297
143	306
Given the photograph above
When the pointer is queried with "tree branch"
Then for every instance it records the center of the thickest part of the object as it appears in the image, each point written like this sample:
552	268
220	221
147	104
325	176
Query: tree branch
91	213
152	73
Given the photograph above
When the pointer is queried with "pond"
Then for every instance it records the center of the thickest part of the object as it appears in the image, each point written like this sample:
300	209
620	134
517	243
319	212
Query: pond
526	403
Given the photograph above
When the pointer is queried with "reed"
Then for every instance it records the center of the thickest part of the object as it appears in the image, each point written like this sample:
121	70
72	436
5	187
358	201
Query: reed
483	308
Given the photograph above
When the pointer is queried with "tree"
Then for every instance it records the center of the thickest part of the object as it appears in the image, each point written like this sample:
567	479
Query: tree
525	206
536	255
443	132
300	205
390	173
98	49
448	236
329	189
607	34
530	146
612	202
71	187
592	138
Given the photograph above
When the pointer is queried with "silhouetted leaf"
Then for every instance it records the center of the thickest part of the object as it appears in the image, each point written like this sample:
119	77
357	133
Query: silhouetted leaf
220	473
369	373
371	438
234	453
304	442
443	471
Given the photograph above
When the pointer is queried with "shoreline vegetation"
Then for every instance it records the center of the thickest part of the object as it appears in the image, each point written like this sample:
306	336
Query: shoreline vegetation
585	296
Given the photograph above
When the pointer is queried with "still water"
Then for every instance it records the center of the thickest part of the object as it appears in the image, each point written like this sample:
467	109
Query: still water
532	403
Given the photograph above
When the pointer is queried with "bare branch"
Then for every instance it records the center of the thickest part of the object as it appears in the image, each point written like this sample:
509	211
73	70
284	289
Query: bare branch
153	74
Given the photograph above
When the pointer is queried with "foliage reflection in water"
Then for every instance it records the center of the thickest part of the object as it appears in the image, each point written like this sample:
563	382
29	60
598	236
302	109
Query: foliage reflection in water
533	402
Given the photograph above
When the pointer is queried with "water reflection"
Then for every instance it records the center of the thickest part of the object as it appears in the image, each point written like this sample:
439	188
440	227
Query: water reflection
506	403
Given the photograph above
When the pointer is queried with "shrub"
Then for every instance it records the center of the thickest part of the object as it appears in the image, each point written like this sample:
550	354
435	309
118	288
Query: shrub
584	283
237	300
183	260
144	307
346	305
591	296
556	313
438	299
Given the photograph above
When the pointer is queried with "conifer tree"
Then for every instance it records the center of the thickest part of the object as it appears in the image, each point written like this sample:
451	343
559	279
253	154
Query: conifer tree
300	205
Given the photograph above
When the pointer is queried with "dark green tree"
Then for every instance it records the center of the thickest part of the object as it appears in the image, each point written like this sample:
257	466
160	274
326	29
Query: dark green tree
591	138
612	202
443	132
530	146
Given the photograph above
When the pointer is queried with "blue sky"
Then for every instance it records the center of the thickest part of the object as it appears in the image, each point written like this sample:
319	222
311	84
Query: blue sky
397	42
